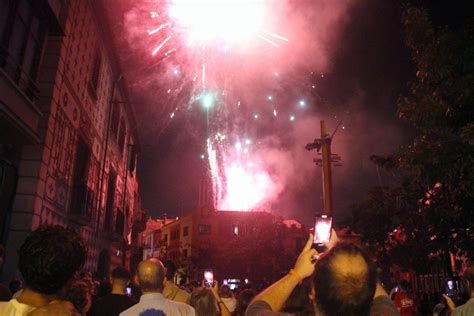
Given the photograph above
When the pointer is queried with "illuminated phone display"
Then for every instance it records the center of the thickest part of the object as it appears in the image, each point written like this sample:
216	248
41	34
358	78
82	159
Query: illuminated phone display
322	229
208	277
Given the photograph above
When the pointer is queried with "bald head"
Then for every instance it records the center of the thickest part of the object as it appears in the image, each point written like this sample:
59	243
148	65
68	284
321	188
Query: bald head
344	281
151	274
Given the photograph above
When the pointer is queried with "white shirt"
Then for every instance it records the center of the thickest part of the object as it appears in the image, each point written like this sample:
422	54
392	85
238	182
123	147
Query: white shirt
15	308
153	303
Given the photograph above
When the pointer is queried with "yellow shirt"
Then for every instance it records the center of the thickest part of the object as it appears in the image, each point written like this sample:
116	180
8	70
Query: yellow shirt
15	308
172	292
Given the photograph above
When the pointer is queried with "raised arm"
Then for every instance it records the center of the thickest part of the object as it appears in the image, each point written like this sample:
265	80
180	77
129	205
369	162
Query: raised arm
223	308
277	294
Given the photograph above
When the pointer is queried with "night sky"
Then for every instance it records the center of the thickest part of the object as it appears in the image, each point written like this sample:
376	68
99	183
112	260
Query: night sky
366	68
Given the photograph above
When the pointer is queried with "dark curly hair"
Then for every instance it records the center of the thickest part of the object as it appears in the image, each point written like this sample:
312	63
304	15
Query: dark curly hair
49	257
79	294
121	273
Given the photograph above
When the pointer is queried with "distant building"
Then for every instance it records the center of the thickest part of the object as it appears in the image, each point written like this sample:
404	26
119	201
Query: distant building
152	238
234	244
68	137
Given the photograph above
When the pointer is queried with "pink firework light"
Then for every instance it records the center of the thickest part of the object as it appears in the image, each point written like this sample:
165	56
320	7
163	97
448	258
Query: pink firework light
208	23
239	183
207	26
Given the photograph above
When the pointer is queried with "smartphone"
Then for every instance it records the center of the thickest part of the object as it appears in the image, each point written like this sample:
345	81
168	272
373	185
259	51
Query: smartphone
322	229
129	291
450	289
208	277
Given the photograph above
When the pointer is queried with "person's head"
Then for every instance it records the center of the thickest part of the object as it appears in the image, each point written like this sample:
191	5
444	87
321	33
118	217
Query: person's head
344	281
86	276
469	276
2	254
78	293
120	277
204	302
243	300
404	286
5	294
225	291
151	274
49	258
170	270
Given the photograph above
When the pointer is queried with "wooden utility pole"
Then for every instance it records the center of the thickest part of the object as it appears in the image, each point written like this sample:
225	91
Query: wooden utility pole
323	144
327	176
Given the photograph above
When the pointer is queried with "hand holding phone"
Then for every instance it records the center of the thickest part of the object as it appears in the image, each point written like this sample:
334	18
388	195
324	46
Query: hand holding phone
208	278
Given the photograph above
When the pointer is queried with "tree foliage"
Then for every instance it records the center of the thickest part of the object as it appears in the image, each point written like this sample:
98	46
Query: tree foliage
430	210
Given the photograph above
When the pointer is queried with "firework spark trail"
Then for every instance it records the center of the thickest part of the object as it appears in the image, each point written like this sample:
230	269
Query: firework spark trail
214	169
157	49
159	28
247	50
276	36
268	40
208	35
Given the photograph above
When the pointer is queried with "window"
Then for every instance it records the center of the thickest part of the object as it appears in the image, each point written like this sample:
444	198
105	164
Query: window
235	230
175	234
95	75
81	196
114	123
185	231
119	222
133	159
122	133
22	36
204	229
111	186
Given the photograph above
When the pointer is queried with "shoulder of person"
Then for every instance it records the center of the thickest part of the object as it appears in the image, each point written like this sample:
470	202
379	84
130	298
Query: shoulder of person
383	306
466	309
261	308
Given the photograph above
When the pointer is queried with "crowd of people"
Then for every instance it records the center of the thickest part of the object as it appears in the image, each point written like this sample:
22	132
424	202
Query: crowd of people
339	281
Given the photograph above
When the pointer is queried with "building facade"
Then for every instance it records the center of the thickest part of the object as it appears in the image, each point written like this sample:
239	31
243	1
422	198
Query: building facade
68	138
152	238
235	245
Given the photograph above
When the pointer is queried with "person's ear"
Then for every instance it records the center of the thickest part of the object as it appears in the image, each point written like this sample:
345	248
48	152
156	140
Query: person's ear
312	294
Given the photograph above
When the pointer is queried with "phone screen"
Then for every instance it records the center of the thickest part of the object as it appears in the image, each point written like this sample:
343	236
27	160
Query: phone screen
208	277
129	291
322	229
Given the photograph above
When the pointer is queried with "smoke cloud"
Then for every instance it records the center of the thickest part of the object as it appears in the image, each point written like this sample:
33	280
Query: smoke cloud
319	65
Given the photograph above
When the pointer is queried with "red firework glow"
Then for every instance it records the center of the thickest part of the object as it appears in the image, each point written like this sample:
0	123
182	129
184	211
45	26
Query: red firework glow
227	58
238	183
